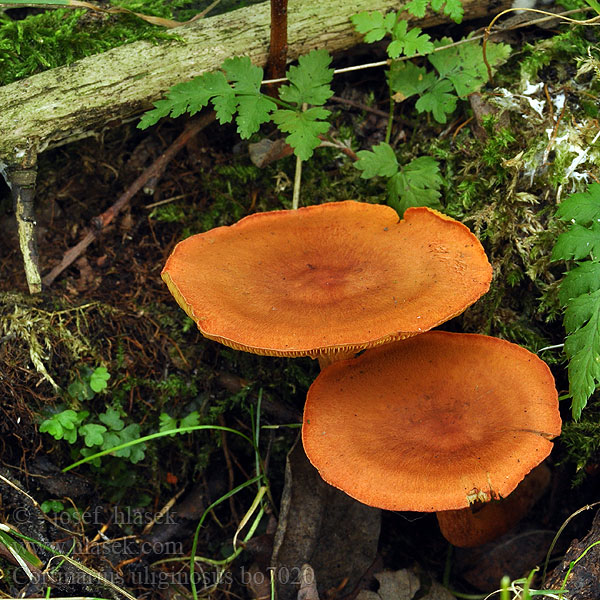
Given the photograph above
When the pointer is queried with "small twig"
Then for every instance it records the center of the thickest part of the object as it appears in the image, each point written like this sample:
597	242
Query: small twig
22	185
463	124
166	201
162	512
335	144
367	108
101	221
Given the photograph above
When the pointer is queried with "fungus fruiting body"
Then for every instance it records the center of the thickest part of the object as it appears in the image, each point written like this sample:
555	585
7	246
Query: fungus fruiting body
431	423
327	280
484	522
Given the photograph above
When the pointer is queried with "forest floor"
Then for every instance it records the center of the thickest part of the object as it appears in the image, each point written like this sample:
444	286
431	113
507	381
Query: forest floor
104	355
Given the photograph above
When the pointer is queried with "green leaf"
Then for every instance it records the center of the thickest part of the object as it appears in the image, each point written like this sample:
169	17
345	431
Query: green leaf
438	100
452	8
304	129
577	243
594	4
134	453
463	64
381	160
406	79
99	379
110	440
583	279
63	425
416	184
112	419
191	97
409	41
584	376
93	434
49	506
417	8
582	208
253	108
80	390
252	113
69	419
16	549
582	346
246	77
166	423
53	427
310	80
579	312
374	25
161	109
130	433
191	420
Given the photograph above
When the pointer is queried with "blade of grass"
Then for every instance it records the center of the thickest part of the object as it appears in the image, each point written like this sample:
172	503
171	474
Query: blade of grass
248	515
153	436
201	522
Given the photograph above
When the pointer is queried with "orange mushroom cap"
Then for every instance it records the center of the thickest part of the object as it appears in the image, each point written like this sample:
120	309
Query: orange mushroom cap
331	278
433	422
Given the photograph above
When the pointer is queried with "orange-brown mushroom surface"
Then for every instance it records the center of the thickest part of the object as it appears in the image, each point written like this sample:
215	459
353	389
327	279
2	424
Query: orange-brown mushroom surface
342	276
482	523
433	422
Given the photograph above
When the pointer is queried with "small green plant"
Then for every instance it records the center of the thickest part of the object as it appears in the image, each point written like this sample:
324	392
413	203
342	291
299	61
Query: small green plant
78	425
414	184
580	292
168	423
460	68
234	91
72	426
89	383
50	506
460	72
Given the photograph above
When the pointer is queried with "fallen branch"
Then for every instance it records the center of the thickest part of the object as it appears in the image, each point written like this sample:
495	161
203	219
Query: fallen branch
101	221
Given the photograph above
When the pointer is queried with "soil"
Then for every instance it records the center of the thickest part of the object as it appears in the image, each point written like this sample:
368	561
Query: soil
134	521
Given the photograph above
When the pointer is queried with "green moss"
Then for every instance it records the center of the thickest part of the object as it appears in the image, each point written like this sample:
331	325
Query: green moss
582	441
60	37
559	51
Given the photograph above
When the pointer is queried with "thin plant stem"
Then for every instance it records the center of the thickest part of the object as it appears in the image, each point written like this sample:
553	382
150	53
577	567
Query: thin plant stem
571	565
297	181
278	45
390	123
558	533
201	522
153	436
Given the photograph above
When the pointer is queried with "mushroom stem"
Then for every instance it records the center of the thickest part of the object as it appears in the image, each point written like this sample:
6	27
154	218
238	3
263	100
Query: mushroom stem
329	358
482	523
